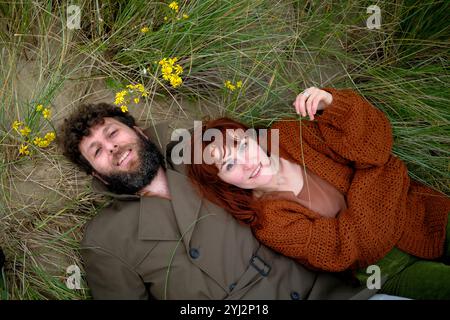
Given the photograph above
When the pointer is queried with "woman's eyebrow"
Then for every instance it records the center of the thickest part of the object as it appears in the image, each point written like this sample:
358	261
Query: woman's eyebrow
224	154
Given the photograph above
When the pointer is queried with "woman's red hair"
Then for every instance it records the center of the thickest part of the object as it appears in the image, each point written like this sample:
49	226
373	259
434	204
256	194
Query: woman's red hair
237	201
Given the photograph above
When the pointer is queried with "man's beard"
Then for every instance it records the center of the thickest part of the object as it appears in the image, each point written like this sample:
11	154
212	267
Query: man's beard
150	160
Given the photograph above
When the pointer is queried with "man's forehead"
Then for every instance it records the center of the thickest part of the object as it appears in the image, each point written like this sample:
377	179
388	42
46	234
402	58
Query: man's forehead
95	130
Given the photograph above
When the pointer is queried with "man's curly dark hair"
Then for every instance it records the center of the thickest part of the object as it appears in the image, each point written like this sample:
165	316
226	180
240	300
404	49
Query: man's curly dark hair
78	125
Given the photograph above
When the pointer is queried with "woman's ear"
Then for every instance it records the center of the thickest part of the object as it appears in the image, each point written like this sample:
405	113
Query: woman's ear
95	174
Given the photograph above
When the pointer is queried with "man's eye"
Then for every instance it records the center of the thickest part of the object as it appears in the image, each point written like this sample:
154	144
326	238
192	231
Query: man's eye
113	133
97	152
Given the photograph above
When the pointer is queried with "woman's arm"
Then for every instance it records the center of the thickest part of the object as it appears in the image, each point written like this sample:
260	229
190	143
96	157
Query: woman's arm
360	235
349	125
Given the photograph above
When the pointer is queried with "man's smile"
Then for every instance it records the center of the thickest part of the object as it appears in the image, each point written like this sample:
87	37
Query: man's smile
124	158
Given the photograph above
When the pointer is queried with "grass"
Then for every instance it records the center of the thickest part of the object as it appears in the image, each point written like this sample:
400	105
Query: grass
276	48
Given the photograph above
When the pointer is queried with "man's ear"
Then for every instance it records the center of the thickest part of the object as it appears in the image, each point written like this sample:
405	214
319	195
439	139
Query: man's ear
139	130
95	174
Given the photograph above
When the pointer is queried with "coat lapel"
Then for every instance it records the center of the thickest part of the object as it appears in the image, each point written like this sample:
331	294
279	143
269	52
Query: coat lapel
186	204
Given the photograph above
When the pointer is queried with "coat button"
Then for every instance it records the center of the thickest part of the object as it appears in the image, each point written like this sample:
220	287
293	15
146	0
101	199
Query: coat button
295	295
194	253
232	286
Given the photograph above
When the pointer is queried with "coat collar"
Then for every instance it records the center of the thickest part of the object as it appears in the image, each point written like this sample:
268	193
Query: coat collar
159	217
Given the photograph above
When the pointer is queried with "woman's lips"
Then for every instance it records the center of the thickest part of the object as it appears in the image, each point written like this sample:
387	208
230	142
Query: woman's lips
256	172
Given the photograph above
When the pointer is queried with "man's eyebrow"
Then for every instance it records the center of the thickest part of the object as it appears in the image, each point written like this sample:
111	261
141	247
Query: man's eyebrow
105	129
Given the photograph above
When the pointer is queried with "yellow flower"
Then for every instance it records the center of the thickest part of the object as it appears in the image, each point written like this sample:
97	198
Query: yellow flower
175	81
145	30
165	18
46	113
44	143
25	131
166	69
16	124
239	84
229	85
23	150
140	87
120	96
178	69
37	141
136	100
124	109
145	94
172	60
50	136
185	16
174	6
39	107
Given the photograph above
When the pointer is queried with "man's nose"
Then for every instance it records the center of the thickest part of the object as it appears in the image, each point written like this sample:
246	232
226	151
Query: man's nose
113	148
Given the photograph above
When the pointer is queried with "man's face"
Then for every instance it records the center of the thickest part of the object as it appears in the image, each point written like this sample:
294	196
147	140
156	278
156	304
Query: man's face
121	156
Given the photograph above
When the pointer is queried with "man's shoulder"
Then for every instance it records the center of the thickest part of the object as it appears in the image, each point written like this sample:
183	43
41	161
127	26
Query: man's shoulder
119	217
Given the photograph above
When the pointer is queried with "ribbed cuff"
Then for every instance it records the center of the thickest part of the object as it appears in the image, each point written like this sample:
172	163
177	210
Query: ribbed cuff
338	111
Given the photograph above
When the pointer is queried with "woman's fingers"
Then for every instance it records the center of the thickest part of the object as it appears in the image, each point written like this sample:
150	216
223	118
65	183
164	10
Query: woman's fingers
307	102
314	105
302	104
299	105
311	103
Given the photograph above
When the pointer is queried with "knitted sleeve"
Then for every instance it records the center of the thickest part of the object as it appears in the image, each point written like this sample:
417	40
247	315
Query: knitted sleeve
296	235
355	129
360	235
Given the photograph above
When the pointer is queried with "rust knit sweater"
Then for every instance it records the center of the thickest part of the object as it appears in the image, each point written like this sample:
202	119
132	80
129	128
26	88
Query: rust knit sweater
349	145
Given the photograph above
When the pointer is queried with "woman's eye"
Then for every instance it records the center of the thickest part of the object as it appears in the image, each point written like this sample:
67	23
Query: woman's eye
243	145
229	166
97	152
113	133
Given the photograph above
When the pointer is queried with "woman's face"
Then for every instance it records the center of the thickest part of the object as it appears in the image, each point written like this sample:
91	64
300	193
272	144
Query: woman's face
244	164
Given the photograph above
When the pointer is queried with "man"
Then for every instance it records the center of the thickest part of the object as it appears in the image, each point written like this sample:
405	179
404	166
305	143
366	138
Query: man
159	239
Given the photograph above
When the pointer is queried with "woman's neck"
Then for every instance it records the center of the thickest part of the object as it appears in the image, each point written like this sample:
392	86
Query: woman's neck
286	178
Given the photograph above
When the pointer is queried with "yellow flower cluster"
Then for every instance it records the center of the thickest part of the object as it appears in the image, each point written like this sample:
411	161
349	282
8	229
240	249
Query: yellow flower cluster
171	71
46	112
44	142
123	97
176	9
231	86
25	132
145	29
23	150
174	6
20	128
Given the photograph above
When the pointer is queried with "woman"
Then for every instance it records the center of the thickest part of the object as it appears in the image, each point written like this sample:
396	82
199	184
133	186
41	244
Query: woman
339	199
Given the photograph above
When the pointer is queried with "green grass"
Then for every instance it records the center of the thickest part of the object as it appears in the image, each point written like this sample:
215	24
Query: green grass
276	48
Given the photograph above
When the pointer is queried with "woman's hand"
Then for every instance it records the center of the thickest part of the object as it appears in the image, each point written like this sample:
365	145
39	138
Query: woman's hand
311	100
